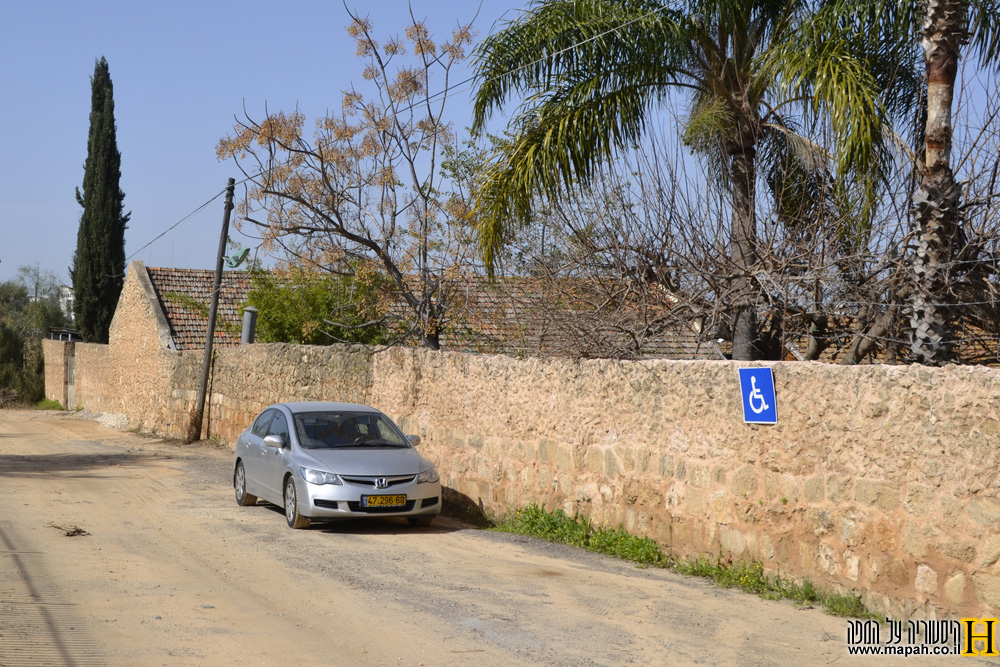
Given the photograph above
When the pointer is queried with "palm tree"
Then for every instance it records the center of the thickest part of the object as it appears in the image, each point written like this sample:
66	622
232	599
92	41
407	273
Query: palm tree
937	264
591	72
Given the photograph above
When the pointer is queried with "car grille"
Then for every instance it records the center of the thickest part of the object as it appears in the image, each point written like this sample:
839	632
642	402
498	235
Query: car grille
370	481
355	506
326	504
429	502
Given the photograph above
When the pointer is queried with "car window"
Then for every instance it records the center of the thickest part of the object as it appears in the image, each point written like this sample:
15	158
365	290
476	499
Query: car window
279	426
386	431
263	421
325	430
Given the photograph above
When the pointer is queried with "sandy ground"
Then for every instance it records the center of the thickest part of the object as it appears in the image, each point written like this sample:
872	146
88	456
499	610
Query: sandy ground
119	549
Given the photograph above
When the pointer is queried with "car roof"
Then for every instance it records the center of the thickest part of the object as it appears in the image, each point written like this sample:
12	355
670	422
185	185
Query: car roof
321	406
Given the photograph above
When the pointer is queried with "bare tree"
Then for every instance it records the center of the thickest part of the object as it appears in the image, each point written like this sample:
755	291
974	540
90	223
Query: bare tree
368	188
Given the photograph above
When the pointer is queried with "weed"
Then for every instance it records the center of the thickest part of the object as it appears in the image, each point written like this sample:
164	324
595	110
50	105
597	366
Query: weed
48	404
747	576
557	526
851	606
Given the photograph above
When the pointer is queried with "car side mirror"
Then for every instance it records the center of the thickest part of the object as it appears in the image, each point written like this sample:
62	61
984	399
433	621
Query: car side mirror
274	441
414	440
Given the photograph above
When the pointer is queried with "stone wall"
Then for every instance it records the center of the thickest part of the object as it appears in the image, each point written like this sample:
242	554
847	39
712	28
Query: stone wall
881	480
57	354
878	479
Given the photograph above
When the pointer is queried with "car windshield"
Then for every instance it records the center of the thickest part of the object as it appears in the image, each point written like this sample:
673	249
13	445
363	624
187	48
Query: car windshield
328	430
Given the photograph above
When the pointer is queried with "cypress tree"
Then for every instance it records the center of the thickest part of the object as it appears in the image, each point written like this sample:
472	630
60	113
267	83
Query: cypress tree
98	271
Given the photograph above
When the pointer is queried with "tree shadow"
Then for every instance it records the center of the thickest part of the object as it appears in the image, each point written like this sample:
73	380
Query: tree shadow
68	465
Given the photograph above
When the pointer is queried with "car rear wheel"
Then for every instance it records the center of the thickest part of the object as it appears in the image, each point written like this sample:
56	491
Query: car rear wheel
240	482
292	516
420	521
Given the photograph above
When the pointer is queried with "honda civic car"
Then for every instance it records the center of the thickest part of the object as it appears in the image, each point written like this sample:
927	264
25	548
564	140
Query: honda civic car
324	461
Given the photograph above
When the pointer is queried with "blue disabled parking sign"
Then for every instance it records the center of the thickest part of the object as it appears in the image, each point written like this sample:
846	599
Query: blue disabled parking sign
757	388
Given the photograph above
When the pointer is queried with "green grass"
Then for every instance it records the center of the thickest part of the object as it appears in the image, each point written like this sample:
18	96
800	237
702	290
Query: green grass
48	404
559	527
747	576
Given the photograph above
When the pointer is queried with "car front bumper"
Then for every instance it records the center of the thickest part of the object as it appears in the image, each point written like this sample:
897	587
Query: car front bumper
334	501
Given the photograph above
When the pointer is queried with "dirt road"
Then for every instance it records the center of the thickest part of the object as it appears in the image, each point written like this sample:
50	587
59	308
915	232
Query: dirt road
117	549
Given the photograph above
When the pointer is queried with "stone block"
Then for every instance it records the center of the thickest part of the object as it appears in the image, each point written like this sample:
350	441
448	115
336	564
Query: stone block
630	492
852	566
875	567
958	549
849	529
626	456
987	589
984	511
666	467
564	458
991	550
608	494
898	574
914	542
885	536
696	502
766	549
595	460
611	466
722	510
642	457
770	486
789	488
826	559
920	500
819	521
732	541
838	488
698	476
926	580
814	489
954	588
884	495
543	450
744	482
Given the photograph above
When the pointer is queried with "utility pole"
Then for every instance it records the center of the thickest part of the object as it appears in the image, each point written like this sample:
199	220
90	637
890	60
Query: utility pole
198	413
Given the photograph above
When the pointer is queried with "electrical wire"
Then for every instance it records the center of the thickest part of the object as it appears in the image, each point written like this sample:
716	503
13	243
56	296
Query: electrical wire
450	91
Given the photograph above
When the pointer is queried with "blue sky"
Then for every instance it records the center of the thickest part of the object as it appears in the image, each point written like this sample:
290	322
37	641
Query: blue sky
181	71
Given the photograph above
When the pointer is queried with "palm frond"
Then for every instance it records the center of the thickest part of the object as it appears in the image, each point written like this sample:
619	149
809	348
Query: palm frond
984	31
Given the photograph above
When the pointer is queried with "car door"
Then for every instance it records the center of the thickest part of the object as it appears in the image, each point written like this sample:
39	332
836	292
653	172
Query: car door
255	451
273	458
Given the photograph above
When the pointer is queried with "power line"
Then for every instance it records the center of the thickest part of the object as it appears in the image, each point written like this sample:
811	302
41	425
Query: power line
175	225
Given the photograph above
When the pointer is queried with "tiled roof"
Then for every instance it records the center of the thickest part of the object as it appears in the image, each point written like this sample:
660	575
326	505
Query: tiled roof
520	315
563	317
186	296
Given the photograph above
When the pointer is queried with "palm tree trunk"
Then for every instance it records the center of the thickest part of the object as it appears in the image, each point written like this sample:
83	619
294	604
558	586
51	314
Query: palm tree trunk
744	254
936	201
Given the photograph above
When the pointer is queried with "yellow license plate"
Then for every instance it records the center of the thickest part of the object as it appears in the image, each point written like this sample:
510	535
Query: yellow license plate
383	501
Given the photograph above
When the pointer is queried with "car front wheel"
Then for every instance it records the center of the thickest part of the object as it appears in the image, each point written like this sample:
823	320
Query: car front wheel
295	520
240	482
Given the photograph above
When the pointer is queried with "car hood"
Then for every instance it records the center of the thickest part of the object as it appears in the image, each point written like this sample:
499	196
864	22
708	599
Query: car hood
370	461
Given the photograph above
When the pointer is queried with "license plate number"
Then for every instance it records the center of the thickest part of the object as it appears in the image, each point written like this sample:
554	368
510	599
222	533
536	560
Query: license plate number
383	501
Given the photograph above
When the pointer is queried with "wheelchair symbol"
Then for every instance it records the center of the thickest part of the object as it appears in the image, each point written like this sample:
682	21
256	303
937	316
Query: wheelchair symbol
756	395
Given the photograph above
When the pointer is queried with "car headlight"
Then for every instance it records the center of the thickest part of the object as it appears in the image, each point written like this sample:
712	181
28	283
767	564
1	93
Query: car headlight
428	476
320	477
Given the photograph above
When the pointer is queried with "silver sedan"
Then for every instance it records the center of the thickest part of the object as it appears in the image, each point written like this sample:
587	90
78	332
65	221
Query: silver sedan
334	461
